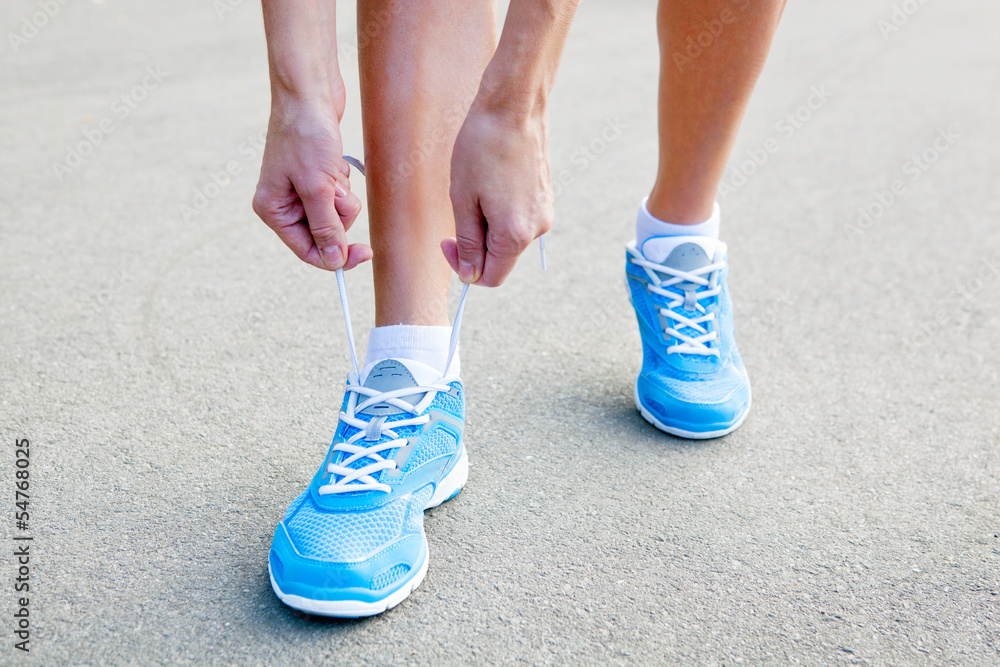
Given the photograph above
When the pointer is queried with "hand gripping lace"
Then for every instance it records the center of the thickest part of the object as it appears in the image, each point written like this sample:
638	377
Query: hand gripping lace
701	329
368	443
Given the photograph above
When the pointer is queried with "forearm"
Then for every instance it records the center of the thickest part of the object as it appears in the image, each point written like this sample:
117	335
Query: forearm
522	72
302	53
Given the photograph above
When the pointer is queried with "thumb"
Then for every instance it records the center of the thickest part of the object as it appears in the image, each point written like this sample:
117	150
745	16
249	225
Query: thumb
467	251
325	225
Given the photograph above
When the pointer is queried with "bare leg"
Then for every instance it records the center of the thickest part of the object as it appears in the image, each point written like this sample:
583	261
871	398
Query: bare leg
421	64
703	96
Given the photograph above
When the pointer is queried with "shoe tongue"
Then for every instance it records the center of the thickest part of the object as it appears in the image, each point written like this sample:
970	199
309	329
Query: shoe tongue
684	253
392	374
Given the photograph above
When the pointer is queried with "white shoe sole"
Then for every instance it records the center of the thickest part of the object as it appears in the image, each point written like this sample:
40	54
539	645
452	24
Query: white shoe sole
681	433
446	490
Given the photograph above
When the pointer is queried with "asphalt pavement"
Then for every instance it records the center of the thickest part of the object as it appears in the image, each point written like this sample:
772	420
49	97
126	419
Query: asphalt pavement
178	373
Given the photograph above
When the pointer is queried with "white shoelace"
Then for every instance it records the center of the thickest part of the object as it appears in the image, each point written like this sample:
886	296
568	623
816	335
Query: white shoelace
705	324
374	430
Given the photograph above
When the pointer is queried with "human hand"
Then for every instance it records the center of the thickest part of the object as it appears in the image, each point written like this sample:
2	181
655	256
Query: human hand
501	192
304	192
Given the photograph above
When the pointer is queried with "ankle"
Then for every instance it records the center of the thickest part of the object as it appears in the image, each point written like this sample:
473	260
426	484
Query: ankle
680	209
648	225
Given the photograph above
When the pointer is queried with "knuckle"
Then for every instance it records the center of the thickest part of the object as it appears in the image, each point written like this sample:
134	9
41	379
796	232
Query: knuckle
263	206
546	224
326	235
316	188
466	244
523	236
513	238
259	203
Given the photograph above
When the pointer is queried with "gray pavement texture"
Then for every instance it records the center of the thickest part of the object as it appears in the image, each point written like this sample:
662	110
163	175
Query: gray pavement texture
178	373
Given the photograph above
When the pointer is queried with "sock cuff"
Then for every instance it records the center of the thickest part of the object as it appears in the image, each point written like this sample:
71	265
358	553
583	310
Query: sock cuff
648	226
409	336
428	345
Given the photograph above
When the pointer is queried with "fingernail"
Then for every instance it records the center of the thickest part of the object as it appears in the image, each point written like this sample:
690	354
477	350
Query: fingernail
332	257
340	190
466	272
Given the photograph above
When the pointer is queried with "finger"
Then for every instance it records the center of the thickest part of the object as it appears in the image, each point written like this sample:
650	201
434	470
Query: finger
449	247
497	267
329	235
470	240
285	216
348	205
357	253
503	248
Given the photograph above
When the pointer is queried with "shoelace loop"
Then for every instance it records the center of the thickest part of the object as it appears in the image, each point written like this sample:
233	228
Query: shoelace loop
377	429
704	326
373	431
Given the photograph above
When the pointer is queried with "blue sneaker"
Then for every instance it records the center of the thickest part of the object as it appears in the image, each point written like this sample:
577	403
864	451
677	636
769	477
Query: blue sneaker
353	544
693	383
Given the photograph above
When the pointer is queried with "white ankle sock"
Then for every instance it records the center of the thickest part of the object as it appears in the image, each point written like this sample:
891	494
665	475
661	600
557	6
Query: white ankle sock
427	345
648	226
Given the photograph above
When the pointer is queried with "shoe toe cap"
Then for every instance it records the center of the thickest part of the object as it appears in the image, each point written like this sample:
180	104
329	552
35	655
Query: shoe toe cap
691	405
367	580
323	555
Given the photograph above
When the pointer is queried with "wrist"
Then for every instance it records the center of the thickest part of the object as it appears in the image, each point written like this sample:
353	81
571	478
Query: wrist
505	91
302	53
295	85
303	116
315	97
522	71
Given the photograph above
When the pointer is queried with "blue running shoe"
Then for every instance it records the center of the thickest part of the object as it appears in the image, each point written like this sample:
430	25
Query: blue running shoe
693	383
353	543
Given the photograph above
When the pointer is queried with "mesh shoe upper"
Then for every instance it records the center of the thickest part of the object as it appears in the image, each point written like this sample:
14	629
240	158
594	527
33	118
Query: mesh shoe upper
358	528
693	379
